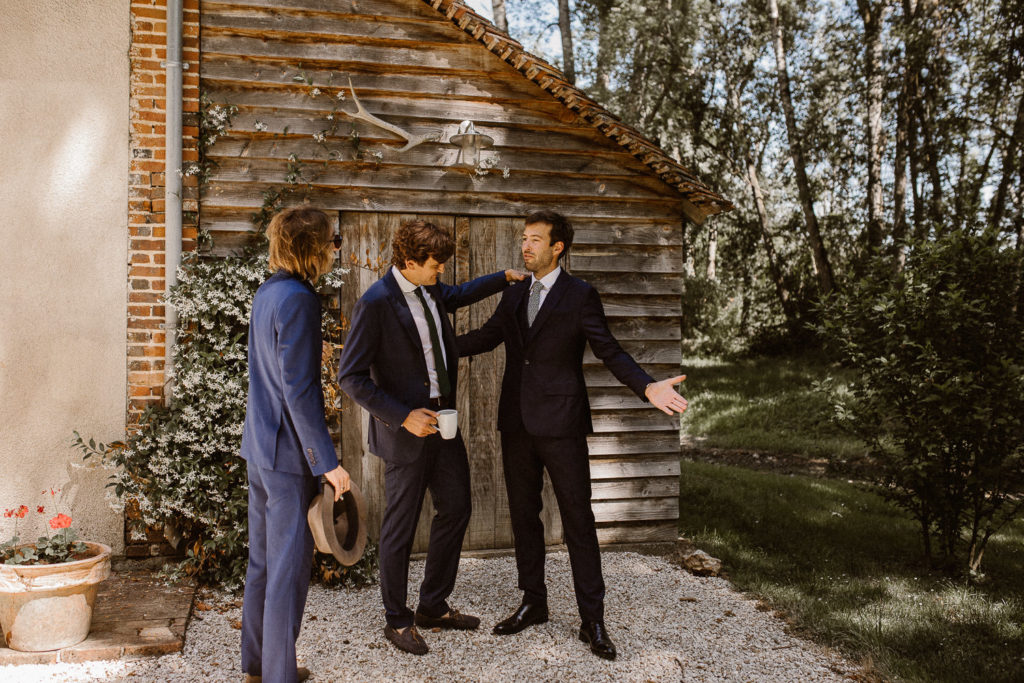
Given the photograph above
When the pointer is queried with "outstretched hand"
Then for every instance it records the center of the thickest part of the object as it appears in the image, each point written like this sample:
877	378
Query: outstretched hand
515	275
663	396
421	422
339	479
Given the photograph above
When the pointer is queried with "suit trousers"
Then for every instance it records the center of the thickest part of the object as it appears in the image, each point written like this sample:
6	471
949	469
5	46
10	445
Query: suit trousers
443	468
567	461
277	577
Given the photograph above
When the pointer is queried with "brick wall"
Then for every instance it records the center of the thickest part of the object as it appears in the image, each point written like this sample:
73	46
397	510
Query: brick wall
146	276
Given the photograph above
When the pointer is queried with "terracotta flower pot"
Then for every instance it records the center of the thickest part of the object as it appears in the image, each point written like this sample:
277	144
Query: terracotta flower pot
49	606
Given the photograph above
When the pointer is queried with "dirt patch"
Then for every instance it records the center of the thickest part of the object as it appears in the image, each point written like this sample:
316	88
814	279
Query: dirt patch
779	463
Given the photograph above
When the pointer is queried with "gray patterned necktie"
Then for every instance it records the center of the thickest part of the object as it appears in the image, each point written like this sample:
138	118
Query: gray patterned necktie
534	305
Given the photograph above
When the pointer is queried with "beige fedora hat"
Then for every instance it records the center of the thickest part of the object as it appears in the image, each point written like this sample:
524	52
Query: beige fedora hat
339	528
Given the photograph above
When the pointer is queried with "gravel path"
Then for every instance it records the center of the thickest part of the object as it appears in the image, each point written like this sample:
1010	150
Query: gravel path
667	625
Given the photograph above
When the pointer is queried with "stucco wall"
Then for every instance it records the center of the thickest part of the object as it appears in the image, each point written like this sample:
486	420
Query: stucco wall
63	249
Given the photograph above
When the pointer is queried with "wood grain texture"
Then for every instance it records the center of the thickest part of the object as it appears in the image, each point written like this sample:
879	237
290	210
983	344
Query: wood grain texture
620	468
431	155
637	509
644	351
619	489
619	532
248	197
441	179
384	8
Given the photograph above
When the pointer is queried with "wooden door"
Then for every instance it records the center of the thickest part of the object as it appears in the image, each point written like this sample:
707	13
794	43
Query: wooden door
483	245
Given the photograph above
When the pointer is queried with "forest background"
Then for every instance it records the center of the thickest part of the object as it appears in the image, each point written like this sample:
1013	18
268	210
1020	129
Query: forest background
842	130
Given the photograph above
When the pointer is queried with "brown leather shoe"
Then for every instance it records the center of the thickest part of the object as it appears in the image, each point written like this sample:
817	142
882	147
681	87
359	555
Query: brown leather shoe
303	674
408	640
454	619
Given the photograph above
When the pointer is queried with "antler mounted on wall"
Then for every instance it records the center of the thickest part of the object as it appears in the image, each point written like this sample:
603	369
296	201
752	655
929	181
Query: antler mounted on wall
410	140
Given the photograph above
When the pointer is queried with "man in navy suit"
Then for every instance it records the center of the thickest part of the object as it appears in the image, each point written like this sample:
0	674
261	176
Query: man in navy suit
400	364
544	417
285	442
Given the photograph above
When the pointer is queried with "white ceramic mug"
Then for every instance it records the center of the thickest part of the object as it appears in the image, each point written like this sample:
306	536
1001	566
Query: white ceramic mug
448	423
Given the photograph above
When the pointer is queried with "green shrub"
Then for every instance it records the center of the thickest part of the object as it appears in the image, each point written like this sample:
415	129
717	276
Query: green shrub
179	467
939	350
711	314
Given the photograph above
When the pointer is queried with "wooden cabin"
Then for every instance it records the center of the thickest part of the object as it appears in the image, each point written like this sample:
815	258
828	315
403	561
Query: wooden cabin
424	67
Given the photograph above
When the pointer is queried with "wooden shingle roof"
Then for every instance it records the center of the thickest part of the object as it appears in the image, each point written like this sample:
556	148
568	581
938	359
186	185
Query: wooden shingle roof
548	77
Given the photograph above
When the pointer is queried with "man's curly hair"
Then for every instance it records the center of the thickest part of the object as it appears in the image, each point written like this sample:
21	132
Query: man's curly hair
419	240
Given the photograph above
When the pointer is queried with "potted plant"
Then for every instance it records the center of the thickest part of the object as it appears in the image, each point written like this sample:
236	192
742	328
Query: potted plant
48	588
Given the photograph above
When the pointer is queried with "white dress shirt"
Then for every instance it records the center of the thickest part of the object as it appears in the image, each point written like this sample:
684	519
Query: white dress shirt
416	308
548	281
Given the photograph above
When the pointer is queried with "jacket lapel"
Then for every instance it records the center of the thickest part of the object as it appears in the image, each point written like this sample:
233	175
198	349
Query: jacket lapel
396	297
550	301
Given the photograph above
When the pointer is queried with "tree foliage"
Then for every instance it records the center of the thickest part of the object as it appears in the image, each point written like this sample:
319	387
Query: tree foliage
940	397
903	114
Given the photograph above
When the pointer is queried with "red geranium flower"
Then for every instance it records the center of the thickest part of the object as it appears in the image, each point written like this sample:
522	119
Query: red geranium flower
39	509
61	521
8	513
20	514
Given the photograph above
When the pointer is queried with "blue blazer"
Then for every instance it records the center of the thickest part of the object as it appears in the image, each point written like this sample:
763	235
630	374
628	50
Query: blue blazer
382	366
543	389
285	429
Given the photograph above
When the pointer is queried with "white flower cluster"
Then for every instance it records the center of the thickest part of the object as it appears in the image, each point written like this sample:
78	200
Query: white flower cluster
182	464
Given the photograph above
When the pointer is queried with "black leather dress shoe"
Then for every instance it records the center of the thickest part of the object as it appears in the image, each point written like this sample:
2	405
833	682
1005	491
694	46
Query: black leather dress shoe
594	634
527	615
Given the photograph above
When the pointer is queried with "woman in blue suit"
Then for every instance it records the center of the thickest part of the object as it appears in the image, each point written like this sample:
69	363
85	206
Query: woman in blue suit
285	443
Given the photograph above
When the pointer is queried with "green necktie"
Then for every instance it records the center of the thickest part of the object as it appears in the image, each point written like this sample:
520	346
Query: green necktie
443	383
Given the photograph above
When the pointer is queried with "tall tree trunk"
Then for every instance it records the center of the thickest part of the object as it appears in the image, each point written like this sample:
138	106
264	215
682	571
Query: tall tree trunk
565	28
689	269
904	143
899	193
774	269
498	9
925	103
605	52
769	246
826	279
1009	165
873	16
712	271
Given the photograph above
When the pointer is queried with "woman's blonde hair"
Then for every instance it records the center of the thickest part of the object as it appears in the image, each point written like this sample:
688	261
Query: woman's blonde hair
300	242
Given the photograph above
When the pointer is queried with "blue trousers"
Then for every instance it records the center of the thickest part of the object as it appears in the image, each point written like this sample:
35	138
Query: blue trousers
277	577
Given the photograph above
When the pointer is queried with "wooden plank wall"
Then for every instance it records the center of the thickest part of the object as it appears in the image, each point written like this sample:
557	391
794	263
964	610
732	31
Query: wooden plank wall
410	66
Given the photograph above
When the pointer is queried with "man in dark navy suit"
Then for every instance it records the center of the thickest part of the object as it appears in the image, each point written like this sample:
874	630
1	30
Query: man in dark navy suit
400	364
544	417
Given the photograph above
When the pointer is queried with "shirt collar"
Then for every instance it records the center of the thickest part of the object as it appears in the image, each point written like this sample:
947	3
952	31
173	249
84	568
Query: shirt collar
548	280
403	283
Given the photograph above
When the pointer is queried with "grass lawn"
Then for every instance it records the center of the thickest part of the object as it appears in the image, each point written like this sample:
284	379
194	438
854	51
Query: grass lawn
842	563
766	405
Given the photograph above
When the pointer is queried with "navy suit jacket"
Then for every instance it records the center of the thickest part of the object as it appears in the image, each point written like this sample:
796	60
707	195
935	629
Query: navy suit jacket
285	429
382	366
543	389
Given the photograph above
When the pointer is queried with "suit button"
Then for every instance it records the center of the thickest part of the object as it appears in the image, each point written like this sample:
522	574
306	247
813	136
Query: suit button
526	362
426	384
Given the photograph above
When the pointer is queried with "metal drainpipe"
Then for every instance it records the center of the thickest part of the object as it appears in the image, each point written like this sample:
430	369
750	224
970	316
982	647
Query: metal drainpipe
172	184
